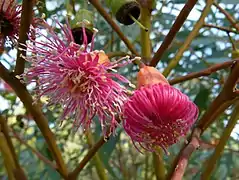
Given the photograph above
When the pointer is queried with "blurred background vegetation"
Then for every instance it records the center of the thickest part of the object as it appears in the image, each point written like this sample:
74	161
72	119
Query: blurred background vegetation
118	156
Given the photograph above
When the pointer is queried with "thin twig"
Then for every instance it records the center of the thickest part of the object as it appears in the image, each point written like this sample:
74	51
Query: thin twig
73	175
26	20
228	16
37	115
41	6
37	153
226	29
107	17
173	62
118	53
208	146
204	72
173	31
232	43
72	2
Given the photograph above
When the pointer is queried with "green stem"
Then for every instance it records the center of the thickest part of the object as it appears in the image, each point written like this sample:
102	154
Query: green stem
220	147
231	40
85	5
189	39
145	40
96	159
146	166
73	6
159	165
137	22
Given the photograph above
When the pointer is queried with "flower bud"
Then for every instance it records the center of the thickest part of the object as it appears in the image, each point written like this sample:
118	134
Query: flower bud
149	75
122	9
83	21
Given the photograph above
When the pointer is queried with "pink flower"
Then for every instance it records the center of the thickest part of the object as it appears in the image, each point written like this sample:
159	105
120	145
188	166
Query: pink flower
76	77
10	16
157	114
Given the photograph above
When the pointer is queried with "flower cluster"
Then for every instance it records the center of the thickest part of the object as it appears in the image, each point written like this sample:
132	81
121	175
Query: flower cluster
80	79
10	16
84	82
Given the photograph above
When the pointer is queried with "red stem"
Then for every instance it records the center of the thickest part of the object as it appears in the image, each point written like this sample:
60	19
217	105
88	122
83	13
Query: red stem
26	20
185	155
205	72
173	31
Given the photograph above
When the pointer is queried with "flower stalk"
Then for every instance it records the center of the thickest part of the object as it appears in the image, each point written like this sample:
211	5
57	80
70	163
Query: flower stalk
144	35
96	159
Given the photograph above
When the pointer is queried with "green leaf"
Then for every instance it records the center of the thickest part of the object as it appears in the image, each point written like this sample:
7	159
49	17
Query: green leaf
52	174
42	146
201	99
107	149
11	97
229	2
221	172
